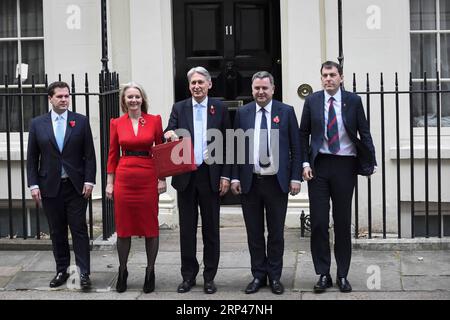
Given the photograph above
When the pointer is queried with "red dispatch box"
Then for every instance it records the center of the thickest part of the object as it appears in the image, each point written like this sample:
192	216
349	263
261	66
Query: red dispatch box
174	158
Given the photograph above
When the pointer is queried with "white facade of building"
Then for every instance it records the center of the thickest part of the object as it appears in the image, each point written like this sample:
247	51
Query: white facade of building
376	37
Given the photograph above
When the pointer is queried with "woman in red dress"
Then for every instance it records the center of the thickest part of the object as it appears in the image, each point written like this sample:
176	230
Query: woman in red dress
132	180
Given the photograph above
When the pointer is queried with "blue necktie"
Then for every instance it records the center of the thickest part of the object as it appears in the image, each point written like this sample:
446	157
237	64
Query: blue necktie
198	135
264	160
332	129
59	132
59	136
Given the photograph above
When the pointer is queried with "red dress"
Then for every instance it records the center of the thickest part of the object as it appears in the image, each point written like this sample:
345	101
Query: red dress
135	184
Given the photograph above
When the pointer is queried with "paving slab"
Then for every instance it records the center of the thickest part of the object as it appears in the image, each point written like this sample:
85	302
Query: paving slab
425	263
426	283
16	258
163	257
9	271
399	295
31	280
4	281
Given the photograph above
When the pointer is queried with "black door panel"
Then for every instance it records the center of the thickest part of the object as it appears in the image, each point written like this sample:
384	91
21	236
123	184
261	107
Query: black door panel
233	39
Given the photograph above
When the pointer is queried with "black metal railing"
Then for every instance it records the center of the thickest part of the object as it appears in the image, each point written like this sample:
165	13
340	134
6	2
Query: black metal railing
109	106
416	118
416	98
381	214
18	104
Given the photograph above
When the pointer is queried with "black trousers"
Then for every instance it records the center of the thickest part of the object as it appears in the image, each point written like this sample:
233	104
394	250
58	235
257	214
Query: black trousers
265	195
334	178
199	194
68	209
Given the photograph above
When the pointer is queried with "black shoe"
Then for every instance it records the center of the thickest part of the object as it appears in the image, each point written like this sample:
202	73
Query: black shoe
149	284
121	284
209	287
254	286
59	279
276	286
85	282
344	285
186	286
324	282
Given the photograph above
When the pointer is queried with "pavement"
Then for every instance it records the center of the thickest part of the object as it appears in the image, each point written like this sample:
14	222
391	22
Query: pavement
381	272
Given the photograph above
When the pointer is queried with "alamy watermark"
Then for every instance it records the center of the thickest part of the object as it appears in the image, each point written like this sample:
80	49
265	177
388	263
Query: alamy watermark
236	147
374	280
73	21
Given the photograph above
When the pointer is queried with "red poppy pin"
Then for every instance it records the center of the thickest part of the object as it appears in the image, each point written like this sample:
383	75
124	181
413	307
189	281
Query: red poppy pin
72	123
142	121
276	119
212	110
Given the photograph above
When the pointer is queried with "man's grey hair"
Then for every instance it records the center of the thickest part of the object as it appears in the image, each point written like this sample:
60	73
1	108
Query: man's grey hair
262	75
199	70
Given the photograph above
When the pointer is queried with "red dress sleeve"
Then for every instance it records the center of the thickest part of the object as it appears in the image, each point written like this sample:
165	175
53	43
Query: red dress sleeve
114	148
159	130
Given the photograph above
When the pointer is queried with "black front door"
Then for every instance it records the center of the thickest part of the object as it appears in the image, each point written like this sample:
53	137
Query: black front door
233	39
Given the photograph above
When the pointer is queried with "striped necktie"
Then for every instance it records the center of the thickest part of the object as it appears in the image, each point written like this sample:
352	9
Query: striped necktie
332	129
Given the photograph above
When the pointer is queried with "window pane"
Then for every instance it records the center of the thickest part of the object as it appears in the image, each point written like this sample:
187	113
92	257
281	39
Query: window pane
32	107
445	14
445	105
33	55
8	18
423	55
8	61
423	14
31	18
419	105
445	55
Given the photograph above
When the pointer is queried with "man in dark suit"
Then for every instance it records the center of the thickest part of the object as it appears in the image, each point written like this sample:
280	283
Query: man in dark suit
61	175
332	156
203	187
270	170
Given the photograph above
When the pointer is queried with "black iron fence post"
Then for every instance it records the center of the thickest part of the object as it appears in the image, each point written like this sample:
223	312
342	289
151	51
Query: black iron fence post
104	31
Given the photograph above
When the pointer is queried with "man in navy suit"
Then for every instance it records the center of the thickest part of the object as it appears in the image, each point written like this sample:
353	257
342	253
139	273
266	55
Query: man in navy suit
270	170
332	156
61	174
203	187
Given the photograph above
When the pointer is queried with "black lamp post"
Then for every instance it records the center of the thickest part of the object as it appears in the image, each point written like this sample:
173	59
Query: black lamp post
341	49
104	23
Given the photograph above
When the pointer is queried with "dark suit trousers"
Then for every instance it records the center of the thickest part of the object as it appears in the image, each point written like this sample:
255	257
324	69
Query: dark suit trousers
199	193
265	193
334	178
68	209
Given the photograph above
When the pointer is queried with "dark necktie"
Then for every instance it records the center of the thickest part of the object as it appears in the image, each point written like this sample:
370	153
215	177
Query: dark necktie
332	129
264	160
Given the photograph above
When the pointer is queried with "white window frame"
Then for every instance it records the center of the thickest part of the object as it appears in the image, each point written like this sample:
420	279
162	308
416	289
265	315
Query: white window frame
432	131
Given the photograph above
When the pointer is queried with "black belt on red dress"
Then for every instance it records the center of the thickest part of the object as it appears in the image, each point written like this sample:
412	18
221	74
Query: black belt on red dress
136	153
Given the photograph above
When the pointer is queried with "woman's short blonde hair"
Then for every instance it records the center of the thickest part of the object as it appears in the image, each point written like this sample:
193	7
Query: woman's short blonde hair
125	87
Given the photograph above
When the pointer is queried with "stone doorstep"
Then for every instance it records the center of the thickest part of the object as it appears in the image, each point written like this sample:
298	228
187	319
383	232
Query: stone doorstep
359	244
46	245
418	244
